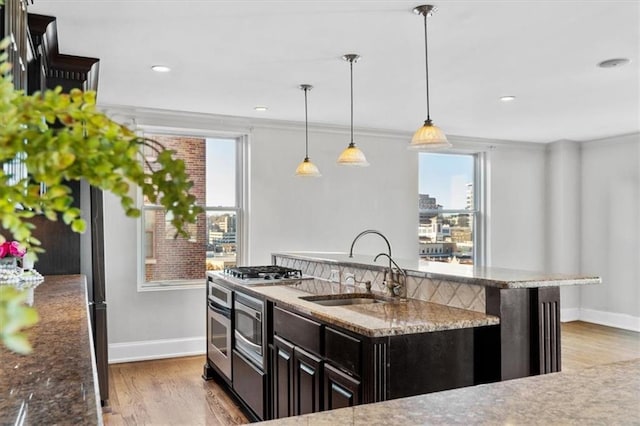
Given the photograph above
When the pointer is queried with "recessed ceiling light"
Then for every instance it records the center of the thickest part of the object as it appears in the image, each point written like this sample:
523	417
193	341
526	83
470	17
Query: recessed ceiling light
507	98
160	68
614	63
260	108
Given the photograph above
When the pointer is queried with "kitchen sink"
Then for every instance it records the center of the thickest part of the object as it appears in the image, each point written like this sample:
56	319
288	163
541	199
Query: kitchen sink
346	299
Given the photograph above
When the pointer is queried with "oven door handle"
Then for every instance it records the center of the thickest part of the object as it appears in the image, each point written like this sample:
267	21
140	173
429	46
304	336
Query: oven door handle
249	311
226	312
244	340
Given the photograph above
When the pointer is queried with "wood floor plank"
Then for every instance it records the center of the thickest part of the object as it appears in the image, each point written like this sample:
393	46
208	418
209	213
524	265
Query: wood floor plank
172	392
168	392
586	344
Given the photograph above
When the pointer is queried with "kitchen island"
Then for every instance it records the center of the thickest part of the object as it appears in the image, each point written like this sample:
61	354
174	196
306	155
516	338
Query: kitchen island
56	383
527	302
332	335
605	394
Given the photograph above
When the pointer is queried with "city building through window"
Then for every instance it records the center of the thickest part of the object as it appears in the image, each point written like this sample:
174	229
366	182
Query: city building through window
448	212
213	241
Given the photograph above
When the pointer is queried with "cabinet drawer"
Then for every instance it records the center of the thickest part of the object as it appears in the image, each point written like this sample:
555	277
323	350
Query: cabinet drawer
343	350
250	384
298	330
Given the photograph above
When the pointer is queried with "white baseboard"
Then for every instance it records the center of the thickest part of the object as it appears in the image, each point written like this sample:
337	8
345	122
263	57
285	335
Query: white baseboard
611	319
156	349
569	314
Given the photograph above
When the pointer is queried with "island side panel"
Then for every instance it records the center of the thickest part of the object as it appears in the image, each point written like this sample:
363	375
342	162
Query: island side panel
529	330
430	362
375	370
513	306
545	303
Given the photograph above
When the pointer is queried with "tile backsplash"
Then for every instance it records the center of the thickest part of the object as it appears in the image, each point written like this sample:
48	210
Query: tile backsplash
442	292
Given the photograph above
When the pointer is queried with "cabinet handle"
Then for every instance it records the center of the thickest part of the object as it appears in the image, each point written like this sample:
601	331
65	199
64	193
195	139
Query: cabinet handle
284	355
341	391
310	371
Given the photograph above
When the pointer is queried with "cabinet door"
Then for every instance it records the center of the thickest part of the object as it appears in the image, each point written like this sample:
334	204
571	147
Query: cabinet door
282	378
307	385
250	384
340	389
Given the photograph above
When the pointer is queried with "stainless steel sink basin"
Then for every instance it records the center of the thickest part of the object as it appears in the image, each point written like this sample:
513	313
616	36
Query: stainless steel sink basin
345	299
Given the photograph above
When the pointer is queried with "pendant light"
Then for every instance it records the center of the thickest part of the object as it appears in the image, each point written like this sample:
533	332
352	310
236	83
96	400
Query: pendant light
306	168
352	155
428	137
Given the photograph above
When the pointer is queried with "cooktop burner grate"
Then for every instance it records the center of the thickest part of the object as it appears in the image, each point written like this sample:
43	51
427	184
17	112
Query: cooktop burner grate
268	272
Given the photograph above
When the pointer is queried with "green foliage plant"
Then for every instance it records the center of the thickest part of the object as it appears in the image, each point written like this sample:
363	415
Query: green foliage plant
63	137
14	317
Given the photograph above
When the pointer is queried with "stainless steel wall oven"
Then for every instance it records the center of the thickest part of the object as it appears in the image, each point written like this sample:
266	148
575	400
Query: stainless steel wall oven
249	328
219	303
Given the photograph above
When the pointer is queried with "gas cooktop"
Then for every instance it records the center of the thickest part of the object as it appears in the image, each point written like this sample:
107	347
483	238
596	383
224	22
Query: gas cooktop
263	273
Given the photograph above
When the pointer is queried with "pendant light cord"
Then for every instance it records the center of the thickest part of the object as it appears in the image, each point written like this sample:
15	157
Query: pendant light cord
426	62
306	127
351	68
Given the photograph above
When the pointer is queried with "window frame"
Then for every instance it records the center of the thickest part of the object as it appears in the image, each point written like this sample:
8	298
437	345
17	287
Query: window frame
478	214
240	208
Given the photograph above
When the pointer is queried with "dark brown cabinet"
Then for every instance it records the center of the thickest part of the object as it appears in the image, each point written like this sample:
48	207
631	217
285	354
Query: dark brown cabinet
249	383
297	380
314	367
317	366
340	389
282	376
307	382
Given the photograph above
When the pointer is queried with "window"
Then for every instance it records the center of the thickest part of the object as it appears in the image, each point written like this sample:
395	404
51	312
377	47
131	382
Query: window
448	208
213	242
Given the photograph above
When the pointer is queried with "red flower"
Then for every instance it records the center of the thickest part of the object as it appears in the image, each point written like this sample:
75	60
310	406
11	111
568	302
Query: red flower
12	248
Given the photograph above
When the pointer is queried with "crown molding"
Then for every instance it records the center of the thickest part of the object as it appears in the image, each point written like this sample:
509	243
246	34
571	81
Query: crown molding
197	122
625	138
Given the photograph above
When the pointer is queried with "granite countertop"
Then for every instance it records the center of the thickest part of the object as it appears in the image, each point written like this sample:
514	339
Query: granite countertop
470	274
55	384
395	317
601	395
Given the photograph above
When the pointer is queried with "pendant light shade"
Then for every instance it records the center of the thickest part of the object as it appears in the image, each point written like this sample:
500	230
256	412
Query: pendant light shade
428	137
306	168
352	155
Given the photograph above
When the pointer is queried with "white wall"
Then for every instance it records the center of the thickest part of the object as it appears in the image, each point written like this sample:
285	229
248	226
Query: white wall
611	230
516	212
325	214
173	320
563	248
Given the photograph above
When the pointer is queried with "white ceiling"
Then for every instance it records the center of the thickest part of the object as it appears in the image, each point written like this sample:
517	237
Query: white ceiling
229	56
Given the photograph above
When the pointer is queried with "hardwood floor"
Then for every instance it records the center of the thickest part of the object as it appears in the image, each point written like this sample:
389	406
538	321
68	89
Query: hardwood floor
171	391
585	345
168	392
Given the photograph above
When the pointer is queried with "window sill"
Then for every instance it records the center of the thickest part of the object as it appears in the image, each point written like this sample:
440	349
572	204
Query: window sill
172	285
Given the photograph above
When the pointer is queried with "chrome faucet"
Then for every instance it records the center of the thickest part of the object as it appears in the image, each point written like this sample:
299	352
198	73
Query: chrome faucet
371	231
397	288
365	232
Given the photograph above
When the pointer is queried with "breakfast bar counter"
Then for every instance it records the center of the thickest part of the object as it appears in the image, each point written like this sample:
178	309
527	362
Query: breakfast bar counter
56	383
470	274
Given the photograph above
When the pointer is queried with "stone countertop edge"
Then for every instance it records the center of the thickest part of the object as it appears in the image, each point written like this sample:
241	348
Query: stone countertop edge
604	394
486	276
372	320
56	383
